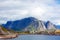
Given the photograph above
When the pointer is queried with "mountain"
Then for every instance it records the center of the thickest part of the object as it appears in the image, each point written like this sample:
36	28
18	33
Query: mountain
41	26
58	26
8	25
18	25
50	26
29	24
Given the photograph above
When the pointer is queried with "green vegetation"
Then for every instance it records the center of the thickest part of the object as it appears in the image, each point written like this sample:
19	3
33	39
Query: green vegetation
31	29
4	29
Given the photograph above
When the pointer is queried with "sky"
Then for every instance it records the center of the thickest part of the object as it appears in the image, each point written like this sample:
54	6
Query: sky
41	9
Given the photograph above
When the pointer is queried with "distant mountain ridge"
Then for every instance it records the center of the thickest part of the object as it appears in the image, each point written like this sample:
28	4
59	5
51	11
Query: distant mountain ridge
29	23
58	26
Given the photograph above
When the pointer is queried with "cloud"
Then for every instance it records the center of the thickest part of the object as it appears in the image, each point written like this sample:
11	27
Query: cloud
12	15
18	9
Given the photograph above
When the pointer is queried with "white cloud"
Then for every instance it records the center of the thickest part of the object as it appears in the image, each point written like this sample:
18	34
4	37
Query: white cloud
10	3
13	14
37	12
41	9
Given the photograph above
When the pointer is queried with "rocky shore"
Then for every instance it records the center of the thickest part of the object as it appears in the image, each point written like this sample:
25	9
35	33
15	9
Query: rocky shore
14	35
8	36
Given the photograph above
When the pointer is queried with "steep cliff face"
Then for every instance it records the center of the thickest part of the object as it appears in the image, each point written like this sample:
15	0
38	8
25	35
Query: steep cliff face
41	26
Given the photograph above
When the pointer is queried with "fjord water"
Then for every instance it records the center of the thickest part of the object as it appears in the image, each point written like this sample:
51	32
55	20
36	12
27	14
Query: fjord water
35	37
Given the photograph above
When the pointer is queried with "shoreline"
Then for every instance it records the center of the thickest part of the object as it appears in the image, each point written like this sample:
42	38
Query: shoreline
8	36
39	34
16	35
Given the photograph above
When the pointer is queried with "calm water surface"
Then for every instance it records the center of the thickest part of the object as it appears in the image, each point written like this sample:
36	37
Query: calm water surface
35	37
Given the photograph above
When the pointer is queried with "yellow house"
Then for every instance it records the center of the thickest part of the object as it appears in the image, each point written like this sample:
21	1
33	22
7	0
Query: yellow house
57	32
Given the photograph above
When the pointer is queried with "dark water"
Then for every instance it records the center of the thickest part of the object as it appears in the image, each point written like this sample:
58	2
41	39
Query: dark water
35	37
